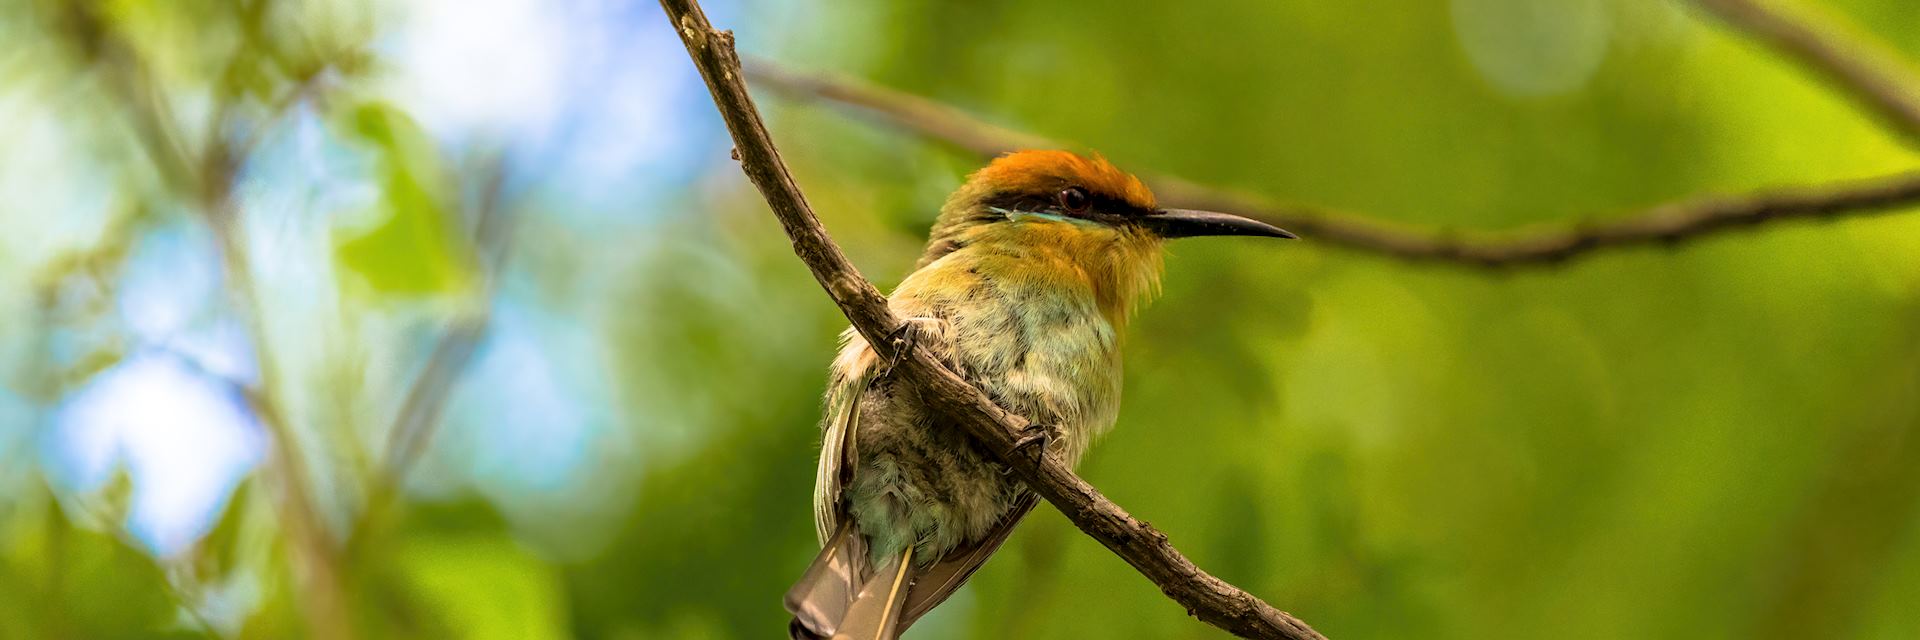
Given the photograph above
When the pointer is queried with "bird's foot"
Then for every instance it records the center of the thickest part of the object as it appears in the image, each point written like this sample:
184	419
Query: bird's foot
907	336
1034	434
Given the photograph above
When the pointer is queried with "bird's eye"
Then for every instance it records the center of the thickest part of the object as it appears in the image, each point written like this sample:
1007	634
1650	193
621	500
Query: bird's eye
1075	200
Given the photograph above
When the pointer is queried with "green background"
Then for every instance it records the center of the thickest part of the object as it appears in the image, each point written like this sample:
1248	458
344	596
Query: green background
1716	439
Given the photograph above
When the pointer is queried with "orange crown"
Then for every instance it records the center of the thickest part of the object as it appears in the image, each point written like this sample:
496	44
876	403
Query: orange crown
1042	171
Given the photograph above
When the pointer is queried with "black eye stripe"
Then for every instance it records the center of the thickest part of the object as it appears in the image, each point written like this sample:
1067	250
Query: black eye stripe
1050	201
1017	201
1114	205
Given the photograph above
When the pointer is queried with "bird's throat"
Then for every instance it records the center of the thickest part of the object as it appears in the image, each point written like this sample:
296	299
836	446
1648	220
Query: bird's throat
1119	269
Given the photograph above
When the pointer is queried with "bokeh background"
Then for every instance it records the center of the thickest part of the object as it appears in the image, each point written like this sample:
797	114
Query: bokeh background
453	319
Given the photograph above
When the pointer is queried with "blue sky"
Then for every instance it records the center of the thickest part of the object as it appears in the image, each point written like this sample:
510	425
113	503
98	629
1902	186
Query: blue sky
599	117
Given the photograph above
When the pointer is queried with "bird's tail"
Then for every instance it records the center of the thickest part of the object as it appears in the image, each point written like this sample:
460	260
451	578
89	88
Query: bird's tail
842	597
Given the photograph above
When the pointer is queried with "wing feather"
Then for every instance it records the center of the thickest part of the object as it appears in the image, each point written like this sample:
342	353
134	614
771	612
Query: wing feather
838	455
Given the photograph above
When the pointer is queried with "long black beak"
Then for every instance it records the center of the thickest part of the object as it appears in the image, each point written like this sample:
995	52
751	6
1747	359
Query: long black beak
1187	223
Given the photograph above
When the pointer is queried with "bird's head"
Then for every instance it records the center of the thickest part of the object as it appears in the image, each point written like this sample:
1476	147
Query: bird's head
1053	195
1079	212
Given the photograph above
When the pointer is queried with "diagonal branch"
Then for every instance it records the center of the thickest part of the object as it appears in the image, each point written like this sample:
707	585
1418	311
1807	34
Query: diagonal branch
1662	224
419	419
419	416
1211	599
1881	83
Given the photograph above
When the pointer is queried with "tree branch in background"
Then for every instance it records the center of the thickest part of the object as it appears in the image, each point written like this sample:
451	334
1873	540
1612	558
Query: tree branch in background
1211	599
420	410
419	415
1882	83
206	182
1663	224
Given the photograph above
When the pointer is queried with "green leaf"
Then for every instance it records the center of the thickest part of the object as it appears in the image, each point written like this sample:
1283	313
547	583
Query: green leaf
484	587
77	582
415	250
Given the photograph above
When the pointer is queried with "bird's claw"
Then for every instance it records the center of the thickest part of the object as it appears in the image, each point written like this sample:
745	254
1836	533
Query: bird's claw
1030	435
905	337
1034	434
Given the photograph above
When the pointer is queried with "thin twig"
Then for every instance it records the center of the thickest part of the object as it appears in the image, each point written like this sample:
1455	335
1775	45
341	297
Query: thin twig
1211	599
421	408
420	411
208	183
324	593
1662	224
1881	83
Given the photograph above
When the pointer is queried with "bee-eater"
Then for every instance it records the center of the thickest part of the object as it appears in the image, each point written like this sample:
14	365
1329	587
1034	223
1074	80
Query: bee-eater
1029	277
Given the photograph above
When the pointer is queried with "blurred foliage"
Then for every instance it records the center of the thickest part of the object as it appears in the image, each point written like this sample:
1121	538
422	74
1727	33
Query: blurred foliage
414	249
74	580
1715	439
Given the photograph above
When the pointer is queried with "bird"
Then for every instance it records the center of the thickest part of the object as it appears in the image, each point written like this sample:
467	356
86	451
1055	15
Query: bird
1030	274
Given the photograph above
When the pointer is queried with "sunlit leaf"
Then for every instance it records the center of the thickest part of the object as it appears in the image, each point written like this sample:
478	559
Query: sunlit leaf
484	587
82	582
416	248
